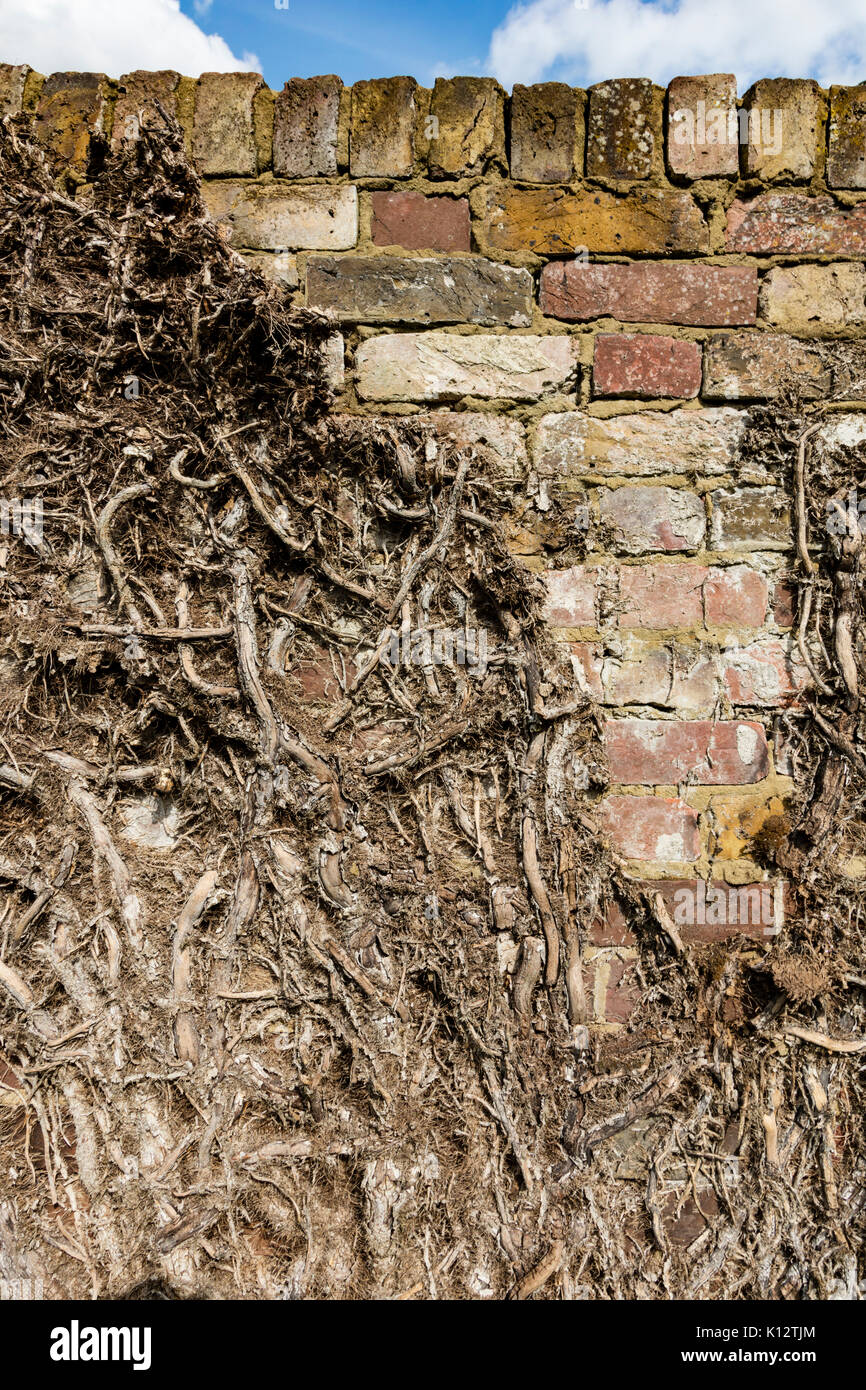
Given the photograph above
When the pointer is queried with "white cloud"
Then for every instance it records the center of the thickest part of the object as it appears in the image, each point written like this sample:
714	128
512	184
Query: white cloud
632	38
111	36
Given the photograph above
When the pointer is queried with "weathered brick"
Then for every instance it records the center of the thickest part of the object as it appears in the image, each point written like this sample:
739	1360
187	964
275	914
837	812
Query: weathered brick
707	912
280	270
661	596
315	679
630	670
136	95
622	992
702	131
610	987
846	430
13	84
224	135
750	518
382	138
612	927
639	519
735	596
73	106
420	223
651	292
645	365
470	134
652	828
784	602
806	298
760	366
335	362
738	825
636	674
586	662
704	912
546	133
786	751
623	129
306	119
662	752
767	672
785	125
277	216
570	598
684	1218
704	442
553	223
446	367
501	438
640	673
694	681
793	224
393	289
846	154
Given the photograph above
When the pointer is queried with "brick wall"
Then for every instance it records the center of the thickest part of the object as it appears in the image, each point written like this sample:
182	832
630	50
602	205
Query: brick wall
600	285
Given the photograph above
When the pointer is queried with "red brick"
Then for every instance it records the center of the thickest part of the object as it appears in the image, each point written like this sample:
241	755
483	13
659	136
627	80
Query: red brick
645	365
317	679
651	292
611	927
623	994
661	596
794	224
652	828
738	913
657	752
747	909
570	597
419	223
735	596
709	912
784	603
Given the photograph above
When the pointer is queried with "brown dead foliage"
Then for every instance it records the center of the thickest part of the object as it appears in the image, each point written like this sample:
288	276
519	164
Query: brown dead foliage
291	989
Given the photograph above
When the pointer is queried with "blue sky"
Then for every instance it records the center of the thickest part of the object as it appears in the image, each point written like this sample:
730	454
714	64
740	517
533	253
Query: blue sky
376	38
576	41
